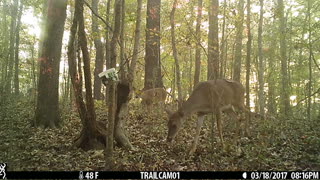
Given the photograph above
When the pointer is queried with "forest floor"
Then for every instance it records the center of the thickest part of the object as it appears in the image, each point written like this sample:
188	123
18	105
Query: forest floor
273	144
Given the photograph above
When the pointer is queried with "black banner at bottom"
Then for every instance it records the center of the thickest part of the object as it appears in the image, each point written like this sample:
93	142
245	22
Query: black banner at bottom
123	175
160	175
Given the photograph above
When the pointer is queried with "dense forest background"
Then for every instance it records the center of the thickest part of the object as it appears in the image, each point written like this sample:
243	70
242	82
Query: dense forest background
56	113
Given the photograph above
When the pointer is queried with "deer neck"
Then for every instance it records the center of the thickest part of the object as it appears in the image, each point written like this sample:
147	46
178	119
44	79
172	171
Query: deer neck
188	108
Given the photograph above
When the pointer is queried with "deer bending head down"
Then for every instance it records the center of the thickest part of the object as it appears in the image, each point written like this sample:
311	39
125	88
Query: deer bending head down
213	96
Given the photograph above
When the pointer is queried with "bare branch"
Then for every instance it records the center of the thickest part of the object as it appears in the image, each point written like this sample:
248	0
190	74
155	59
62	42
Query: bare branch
97	15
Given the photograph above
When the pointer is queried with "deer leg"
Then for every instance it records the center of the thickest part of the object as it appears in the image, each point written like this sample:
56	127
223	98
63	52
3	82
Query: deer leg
218	117
196	138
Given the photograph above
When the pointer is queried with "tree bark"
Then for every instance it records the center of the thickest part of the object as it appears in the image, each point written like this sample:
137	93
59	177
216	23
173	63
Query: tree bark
122	94
47	111
112	90
272	106
4	49
223	60
261	64
132	70
99	52
152	57
213	41
238	45
174	49
248	57
108	50
91	116
310	61
16	64
284	93
198	50
11	48
123	89
123	67
91	135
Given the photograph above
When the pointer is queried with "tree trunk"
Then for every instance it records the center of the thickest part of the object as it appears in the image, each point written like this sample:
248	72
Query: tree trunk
123	70
223	42
152	57
198	50
91	116
122	95
272	106
99	52
108	50
4	49
16	67
122	91
300	66
132	70
238	45
261	64
33	65
190	71
112	90
91	135
175	53
213	41
47	111
248	57
284	93
310	61
11	48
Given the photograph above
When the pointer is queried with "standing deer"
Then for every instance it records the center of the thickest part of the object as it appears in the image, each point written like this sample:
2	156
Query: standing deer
213	96
153	96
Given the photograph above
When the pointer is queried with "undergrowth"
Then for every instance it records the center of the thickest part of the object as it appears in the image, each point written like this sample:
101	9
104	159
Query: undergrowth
273	144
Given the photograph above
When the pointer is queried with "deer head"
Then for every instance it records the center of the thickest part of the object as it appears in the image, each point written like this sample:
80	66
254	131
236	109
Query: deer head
174	124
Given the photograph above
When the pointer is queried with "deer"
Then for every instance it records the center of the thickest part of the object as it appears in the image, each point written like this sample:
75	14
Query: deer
153	96
212	96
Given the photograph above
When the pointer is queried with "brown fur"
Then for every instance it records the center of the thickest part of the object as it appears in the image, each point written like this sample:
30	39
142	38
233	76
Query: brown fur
213	96
153	96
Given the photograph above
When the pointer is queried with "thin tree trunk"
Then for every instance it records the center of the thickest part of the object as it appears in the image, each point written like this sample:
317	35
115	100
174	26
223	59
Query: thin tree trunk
213	41
11	49
310	61
284	93
108	50
198	49
90	133
238	45
223	42
300	66
123	69
190	71
33	65
248	57
4	50
272	109
99	52
261	64
132	71
16	68
112	90
174	49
